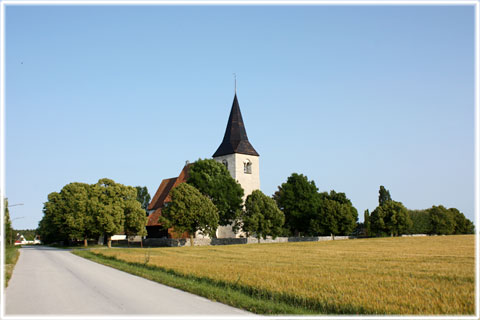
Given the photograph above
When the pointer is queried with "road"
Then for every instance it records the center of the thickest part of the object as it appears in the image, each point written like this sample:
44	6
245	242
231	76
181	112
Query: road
49	281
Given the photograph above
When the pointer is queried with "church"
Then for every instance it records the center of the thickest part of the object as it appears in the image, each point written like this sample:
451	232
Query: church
236	153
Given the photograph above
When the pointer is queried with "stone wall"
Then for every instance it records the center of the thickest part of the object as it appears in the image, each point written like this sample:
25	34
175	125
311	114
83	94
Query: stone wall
164	242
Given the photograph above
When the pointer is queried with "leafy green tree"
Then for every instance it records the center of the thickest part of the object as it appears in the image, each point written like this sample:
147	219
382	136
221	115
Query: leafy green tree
326	220
135	218
439	220
377	222
8	230
143	197
75	215
383	196
262	216
442	220
82	211
109	201
366	223
49	228
420	222
348	215
298	199
68	215
397	219
190	211
462	224
336	215
390	218
213	180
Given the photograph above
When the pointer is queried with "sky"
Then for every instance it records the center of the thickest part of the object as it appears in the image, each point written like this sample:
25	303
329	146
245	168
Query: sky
353	97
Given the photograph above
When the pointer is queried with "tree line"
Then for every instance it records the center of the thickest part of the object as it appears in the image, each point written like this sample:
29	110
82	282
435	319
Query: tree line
212	198
82	211
392	218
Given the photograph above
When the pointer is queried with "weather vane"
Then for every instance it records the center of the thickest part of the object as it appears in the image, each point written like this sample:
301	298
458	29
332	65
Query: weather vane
235	79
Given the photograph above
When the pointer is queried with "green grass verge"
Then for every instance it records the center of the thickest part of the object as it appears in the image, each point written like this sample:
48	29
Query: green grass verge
243	297
11	257
91	246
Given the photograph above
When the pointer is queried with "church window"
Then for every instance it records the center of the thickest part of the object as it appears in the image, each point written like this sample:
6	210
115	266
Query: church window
225	163
247	167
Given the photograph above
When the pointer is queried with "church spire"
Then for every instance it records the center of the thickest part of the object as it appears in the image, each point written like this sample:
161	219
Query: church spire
235	139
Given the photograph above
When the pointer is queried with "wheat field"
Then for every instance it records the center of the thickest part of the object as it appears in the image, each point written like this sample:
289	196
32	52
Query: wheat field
408	276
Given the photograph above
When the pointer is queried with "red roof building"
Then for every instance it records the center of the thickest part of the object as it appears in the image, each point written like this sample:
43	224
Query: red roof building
162	196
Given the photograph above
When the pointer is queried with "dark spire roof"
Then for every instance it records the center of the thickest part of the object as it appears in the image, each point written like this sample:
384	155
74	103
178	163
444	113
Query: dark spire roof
235	139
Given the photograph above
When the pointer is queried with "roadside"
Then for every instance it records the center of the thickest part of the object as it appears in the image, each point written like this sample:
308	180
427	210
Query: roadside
246	298
11	257
51	281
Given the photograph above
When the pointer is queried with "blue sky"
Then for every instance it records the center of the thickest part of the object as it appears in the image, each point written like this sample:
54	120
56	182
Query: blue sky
353	97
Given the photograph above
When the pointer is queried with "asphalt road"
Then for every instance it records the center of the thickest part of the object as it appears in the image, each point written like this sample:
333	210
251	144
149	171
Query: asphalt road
48	281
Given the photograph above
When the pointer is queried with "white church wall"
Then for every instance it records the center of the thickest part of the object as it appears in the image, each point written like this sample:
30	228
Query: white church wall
249	182
230	161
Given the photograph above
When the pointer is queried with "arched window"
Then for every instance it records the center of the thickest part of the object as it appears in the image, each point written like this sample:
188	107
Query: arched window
225	163
247	166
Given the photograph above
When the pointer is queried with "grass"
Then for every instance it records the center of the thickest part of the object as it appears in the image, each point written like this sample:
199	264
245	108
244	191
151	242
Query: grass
11	257
410	276
90	246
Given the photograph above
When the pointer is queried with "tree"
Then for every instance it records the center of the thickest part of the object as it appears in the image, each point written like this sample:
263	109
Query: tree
420	222
439	220
8	230
336	215
213	180
442	220
348	215
383	196
366	217
262	216
377	222
75	215
298	199
462	224
143	197
397	219
190	211
49	227
390	218
82	211
109	200
135	218
68	215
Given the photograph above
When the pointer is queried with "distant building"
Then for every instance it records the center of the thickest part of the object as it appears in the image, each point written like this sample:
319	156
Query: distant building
241	160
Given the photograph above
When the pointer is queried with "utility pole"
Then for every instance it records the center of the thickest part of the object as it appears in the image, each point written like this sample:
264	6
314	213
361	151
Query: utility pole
13	205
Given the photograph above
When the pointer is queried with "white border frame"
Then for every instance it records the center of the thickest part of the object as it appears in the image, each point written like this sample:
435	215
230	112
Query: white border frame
475	3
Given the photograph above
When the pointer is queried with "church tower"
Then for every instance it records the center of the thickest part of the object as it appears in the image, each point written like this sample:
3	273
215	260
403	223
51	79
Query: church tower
240	158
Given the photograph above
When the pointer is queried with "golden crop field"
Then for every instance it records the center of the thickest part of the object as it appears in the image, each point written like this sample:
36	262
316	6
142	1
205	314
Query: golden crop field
411	275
